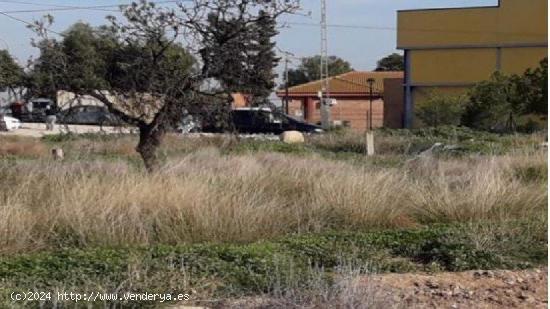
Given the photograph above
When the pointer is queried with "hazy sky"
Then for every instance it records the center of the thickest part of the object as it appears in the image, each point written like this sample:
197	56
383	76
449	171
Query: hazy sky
360	46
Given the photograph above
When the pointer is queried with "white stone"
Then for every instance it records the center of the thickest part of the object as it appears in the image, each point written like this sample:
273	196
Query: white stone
292	137
57	154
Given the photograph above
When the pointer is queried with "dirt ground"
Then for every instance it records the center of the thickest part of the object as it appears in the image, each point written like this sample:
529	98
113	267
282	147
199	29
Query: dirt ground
473	289
39	130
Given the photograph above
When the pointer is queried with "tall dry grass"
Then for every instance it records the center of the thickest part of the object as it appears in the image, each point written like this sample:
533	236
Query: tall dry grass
17	146
352	286
207	196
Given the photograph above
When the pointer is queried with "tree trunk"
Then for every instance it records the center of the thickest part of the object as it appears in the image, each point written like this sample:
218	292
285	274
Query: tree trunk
150	138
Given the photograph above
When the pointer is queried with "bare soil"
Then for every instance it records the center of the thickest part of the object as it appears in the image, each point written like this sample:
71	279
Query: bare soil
472	289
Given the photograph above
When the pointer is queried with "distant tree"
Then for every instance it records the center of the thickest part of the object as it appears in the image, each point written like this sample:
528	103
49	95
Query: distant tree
264	59
393	62
251	71
12	76
310	69
140	72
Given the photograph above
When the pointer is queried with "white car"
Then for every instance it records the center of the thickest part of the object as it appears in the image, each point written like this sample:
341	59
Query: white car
11	123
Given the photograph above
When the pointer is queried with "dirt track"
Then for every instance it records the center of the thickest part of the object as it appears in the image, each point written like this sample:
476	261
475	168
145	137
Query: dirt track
39	130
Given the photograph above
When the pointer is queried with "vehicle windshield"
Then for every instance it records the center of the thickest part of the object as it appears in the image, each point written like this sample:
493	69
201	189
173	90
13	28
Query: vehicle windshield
40	104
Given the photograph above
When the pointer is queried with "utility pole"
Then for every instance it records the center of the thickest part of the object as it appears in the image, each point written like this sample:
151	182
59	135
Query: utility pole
325	101
369	138
286	85
370	81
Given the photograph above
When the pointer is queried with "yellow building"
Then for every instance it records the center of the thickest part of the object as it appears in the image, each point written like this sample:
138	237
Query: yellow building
449	50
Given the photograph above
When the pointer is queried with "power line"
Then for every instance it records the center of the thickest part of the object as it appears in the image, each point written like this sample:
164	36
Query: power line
59	8
26	22
343	26
387	28
56	7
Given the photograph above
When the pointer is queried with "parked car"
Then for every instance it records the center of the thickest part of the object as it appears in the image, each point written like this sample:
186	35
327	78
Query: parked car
261	120
35	110
10	123
88	115
296	125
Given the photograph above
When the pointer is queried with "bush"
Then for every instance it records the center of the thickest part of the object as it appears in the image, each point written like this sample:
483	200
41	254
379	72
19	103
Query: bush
490	105
440	110
499	103
532	90
532	123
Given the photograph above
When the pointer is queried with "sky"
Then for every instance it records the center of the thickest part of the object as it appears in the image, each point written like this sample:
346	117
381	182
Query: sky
362	47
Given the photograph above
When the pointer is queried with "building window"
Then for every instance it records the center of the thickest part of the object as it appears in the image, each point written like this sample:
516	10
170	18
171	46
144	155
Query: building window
318	105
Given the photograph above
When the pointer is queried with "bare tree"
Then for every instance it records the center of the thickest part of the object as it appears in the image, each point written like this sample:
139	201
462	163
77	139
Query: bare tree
157	63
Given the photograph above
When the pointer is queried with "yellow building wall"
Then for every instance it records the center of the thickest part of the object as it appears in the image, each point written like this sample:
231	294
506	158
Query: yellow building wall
467	45
452	65
449	50
445	27
514	21
523	21
517	60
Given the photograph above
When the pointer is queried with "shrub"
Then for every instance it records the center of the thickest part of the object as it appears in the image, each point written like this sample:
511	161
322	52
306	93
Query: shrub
440	110
490	105
498	103
532	90
532	123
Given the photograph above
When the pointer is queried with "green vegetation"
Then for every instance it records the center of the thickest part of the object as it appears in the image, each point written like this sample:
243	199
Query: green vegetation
393	62
254	217
515	103
339	145
440	110
309	69
12	76
233	269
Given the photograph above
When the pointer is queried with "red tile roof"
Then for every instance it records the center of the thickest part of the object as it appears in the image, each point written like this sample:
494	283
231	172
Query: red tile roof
354	82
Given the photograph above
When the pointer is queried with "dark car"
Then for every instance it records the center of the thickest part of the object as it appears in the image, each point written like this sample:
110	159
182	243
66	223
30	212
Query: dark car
256	120
89	115
36	110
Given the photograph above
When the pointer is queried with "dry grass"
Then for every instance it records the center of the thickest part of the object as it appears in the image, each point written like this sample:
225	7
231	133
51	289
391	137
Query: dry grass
16	146
349	289
487	188
207	196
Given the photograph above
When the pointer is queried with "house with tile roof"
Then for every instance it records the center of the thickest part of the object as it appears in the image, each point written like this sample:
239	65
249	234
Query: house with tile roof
351	94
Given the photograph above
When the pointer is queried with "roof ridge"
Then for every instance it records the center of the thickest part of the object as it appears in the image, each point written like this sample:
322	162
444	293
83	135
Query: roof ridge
355	80
320	80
